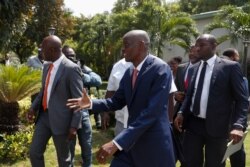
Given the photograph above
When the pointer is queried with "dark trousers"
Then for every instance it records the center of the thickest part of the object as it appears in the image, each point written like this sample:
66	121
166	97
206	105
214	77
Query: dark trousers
238	159
198	145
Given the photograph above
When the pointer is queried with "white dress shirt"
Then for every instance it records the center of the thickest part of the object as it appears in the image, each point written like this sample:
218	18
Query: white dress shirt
206	86
56	65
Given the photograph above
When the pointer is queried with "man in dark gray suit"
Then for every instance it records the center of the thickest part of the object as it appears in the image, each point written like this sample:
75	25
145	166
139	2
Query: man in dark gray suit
62	79
206	112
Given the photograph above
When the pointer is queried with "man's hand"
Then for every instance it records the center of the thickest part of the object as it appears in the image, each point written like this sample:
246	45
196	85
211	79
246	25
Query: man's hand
105	120
106	151
80	103
236	135
179	96
72	133
178	122
30	116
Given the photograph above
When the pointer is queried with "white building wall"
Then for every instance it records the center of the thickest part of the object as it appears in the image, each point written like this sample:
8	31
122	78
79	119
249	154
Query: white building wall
171	51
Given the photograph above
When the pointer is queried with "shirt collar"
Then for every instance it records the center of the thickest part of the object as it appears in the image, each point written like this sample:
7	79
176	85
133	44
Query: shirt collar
211	61
140	65
58	62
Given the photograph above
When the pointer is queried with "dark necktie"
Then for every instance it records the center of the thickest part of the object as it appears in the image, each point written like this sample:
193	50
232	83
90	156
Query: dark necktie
134	77
197	99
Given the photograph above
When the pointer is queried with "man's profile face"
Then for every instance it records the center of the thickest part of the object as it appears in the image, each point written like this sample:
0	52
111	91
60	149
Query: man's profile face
130	49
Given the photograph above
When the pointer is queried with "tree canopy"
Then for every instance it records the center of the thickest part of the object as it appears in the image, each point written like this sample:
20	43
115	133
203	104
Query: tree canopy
200	6
97	39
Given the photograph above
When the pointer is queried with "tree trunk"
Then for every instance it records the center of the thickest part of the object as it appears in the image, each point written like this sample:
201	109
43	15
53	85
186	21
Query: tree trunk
9	121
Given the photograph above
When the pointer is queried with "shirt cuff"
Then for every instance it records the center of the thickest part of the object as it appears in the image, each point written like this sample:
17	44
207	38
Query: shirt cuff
91	105
238	126
117	145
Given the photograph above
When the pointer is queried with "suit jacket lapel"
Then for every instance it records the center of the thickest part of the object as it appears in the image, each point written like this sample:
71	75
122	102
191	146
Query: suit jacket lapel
184	70
145	67
58	74
195	70
215	72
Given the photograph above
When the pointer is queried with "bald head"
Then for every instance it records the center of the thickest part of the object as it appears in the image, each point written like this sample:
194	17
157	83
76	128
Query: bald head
51	48
208	37
138	35
69	53
135	46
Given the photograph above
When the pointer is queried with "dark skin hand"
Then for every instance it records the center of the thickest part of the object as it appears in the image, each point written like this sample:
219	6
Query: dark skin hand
106	151
235	135
179	96
178	122
72	133
105	116
30	116
105	120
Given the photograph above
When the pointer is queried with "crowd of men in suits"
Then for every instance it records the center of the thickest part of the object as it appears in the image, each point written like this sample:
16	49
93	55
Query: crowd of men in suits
211	107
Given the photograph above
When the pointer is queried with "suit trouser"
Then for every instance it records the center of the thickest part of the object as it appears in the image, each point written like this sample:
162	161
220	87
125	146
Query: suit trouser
40	139
238	159
196	139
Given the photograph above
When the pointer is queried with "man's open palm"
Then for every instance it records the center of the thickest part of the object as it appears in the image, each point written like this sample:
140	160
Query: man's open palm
80	103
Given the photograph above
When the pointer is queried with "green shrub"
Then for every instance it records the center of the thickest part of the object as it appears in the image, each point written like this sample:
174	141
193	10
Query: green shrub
15	146
24	106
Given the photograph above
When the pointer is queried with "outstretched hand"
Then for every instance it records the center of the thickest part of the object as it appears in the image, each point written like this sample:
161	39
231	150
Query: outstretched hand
79	103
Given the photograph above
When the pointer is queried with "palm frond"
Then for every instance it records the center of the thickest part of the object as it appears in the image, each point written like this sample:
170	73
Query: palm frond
18	82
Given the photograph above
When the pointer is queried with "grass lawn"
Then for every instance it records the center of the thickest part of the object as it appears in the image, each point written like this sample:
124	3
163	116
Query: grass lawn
99	138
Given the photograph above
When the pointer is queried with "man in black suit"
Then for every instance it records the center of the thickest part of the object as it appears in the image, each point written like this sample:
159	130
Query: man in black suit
206	112
182	79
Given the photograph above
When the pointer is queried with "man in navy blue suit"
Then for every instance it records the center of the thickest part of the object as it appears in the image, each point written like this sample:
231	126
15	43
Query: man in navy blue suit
144	88
206	112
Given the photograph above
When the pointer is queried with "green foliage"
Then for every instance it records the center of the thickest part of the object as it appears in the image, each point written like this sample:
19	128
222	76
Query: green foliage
200	6
18	82
24	24
13	17
235	20
24	106
16	146
100	37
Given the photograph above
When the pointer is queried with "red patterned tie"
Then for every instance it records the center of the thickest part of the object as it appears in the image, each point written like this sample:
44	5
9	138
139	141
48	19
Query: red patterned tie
187	79
45	92
135	73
